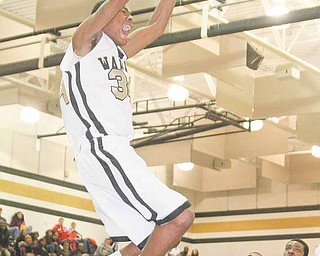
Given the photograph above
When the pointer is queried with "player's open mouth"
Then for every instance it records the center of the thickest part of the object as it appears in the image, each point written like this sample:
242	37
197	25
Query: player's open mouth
126	29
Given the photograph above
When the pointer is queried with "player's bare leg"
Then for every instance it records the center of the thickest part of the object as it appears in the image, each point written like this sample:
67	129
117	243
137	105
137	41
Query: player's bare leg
130	250
164	237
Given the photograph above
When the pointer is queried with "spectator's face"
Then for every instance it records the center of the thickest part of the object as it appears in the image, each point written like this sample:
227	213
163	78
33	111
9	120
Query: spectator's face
61	220
28	239
194	252
19	215
66	246
23	232
73	225
107	241
294	248
3	225
55	235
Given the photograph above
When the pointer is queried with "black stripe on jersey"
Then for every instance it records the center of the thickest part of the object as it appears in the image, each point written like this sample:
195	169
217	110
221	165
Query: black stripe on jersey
75	106
112	179
120	54
92	116
116	164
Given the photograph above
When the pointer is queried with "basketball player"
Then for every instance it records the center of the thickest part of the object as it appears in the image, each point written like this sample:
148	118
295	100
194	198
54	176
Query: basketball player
296	247
95	103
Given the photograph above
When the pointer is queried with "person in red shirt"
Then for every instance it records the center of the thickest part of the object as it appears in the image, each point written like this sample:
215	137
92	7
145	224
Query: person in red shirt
62	231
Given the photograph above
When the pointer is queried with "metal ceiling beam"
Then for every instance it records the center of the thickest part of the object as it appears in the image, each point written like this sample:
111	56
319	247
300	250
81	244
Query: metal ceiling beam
176	135
56	31
184	36
16	18
239	26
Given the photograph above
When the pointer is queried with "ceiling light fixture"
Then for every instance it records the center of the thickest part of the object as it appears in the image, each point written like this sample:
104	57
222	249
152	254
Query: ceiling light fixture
187	166
315	151
29	115
254	126
177	93
178	78
279	9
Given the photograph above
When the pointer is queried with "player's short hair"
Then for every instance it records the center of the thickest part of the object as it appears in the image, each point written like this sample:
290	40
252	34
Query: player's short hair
97	5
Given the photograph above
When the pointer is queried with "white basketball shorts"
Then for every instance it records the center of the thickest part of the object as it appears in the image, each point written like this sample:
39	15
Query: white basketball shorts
128	197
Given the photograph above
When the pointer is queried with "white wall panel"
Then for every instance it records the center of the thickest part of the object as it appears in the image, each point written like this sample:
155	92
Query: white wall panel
70	168
303	194
51	162
211	201
271	193
24	154
242	199
5	146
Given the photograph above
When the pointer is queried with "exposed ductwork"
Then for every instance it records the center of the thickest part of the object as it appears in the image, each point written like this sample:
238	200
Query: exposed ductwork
184	36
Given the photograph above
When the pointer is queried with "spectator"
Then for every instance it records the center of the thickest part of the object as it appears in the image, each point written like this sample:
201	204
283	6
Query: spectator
35	237
48	237
52	245
1	218
73	232
42	249
26	246
74	237
296	247
78	252
20	238
185	251
80	249
195	252
66	249
62	231
57	243
17	224
4	239
174	251
105	248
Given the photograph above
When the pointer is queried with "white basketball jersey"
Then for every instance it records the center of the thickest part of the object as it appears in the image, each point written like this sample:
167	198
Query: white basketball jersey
94	96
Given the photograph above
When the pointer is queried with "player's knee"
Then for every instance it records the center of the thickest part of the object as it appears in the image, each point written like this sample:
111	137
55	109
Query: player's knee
185	219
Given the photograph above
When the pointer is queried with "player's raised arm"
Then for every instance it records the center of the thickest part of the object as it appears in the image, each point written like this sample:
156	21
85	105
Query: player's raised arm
90	30
142	37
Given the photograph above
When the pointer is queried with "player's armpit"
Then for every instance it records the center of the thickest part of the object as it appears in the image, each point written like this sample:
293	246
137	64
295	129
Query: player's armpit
91	28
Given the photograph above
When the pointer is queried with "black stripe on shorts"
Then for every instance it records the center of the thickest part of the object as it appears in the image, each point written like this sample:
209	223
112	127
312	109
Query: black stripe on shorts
117	165
174	214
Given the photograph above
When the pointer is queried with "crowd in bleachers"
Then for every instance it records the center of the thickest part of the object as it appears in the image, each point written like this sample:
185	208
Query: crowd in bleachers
18	239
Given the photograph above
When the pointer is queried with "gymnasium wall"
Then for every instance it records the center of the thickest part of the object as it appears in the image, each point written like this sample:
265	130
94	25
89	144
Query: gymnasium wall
229	222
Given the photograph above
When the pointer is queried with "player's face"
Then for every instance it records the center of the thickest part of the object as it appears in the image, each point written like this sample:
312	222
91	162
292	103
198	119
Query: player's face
294	248
118	29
